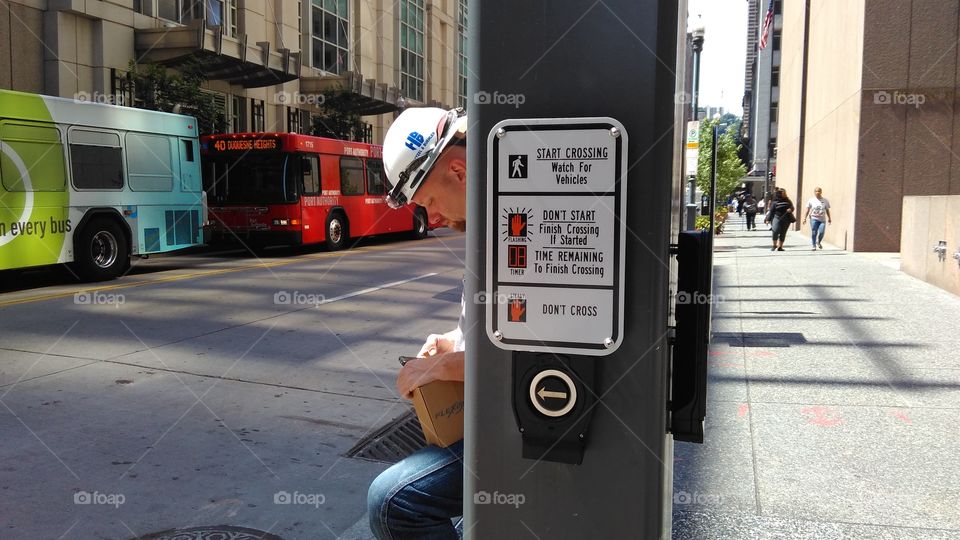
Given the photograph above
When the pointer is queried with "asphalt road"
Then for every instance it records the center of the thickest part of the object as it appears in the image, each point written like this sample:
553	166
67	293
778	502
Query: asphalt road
199	387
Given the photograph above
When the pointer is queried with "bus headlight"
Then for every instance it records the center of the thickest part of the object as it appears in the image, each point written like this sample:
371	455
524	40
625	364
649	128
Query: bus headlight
281	222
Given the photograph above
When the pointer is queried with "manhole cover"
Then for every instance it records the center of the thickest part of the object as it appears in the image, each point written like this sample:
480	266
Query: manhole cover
393	442
217	532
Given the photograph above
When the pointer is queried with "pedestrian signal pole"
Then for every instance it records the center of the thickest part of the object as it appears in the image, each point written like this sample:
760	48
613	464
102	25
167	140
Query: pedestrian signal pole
580	373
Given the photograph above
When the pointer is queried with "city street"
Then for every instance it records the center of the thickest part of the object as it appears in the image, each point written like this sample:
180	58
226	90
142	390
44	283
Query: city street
195	390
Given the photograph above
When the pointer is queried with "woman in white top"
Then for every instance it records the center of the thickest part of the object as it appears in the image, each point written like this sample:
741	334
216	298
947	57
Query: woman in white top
818	210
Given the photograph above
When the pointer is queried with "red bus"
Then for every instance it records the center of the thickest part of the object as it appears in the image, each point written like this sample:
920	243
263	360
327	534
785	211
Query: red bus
284	188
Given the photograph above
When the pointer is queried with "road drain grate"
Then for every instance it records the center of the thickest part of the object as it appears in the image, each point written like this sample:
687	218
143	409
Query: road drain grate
218	532
398	439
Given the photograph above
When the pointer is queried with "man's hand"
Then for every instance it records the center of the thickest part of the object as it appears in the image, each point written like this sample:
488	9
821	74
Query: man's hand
420	371
436	344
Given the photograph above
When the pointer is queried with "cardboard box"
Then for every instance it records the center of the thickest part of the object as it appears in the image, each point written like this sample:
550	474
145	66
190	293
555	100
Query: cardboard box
439	407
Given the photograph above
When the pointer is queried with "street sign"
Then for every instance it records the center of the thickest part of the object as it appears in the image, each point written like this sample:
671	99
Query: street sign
556	191
693	147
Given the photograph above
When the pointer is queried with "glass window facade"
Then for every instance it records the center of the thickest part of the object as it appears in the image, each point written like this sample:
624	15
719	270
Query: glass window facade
329	37
412	47
462	54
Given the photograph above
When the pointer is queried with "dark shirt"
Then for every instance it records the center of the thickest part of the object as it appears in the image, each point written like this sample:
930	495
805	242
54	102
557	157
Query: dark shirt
779	207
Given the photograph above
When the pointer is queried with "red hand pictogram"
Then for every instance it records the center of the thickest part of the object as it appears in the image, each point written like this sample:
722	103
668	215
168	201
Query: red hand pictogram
516	225
516	310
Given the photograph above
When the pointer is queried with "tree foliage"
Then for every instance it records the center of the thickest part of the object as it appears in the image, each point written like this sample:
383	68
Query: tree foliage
730	170
156	88
337	119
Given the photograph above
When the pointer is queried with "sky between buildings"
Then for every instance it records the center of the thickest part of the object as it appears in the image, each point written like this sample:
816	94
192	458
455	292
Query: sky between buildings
724	51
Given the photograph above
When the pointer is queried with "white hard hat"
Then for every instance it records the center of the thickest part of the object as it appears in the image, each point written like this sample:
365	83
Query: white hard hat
412	145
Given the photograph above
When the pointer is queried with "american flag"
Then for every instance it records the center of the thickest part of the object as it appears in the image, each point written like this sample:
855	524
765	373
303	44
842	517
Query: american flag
767	23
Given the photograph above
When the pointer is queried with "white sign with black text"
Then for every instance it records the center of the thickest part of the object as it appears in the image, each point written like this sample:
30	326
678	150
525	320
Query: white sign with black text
556	194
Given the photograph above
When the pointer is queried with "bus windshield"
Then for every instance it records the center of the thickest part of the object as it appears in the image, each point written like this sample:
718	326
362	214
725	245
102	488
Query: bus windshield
251	179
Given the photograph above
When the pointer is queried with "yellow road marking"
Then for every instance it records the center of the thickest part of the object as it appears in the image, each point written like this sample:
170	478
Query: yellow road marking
206	273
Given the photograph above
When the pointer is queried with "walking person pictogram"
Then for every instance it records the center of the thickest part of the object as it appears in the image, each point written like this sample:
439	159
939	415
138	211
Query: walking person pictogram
518	166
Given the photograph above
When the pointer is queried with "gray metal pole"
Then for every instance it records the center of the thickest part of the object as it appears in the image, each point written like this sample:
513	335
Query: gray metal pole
570	59
713	178
697	44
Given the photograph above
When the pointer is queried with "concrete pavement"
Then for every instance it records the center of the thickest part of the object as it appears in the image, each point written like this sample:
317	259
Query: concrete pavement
198	394
833	397
834	388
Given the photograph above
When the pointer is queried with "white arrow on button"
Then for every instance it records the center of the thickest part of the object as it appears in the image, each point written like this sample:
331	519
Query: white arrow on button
544	394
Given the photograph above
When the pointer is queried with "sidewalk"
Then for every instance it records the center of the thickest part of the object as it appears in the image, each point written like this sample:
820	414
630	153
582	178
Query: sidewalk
833	397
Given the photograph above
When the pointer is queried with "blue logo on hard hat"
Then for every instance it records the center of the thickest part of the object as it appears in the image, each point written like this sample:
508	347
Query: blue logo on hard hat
414	141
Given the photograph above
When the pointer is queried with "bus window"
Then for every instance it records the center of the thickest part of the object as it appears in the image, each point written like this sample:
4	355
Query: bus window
351	176
40	150
214	179
148	162
96	160
252	179
311	175
375	185
188	150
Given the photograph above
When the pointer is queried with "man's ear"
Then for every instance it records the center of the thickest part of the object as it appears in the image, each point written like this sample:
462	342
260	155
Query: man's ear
458	167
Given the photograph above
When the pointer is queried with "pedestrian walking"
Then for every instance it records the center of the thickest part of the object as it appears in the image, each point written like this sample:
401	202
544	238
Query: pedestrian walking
780	216
818	210
750	209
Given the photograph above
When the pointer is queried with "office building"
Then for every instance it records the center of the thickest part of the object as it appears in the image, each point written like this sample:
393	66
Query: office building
762	88
868	112
266	61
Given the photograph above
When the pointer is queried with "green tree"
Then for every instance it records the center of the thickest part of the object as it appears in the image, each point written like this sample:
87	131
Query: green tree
730	170
156	88
337	119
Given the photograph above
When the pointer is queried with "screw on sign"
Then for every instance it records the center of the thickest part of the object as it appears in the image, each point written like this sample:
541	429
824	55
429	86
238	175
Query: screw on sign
517	312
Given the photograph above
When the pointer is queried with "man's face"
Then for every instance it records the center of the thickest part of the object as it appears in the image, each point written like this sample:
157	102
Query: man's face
444	191
819	193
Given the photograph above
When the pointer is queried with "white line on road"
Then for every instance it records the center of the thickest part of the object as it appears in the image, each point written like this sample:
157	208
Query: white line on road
374	289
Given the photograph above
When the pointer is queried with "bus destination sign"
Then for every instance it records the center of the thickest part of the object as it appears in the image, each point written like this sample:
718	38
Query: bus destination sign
245	145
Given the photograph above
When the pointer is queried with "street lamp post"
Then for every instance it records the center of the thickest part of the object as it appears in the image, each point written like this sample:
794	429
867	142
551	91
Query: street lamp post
697	44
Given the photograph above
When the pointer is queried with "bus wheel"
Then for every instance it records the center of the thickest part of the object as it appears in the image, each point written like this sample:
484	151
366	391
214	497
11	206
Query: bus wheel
337	231
419	224
101	250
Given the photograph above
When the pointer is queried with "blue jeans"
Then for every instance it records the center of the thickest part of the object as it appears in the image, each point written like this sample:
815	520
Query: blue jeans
417	497
817	230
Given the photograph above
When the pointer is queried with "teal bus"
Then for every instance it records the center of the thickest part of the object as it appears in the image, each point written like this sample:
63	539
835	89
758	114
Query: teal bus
93	185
